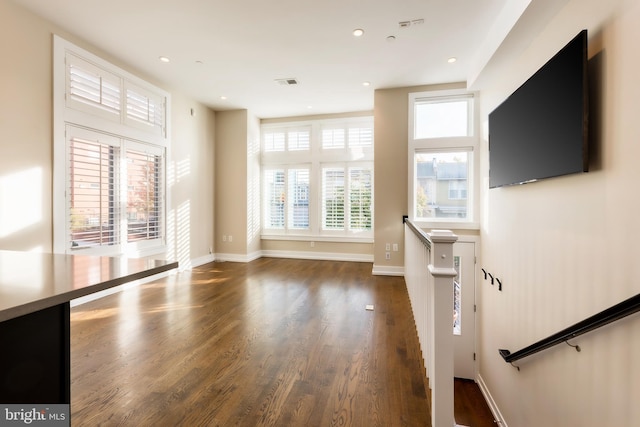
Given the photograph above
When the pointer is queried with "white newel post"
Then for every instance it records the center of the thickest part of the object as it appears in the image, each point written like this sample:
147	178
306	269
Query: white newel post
441	378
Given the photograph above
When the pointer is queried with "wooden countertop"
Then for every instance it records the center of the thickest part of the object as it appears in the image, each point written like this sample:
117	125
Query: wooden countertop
33	281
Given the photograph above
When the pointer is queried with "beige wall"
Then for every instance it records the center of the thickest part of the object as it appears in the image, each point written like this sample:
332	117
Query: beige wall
26	140
190	182
565	248
391	129
231	182
25	131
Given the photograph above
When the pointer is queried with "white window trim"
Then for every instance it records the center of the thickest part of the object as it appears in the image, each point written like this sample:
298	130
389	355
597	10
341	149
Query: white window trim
316	157
468	143
64	115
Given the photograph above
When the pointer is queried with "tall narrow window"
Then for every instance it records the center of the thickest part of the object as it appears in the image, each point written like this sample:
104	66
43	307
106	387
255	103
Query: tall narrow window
333	186
298	200
360	198
144	203
109	150
93	183
443	140
274	196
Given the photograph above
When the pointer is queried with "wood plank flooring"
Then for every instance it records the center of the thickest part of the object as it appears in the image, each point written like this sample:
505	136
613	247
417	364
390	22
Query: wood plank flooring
273	342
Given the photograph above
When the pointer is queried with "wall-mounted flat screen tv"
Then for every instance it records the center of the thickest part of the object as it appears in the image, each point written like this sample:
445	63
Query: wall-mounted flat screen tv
540	131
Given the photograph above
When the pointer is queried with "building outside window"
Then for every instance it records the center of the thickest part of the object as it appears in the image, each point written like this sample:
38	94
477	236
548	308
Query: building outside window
443	142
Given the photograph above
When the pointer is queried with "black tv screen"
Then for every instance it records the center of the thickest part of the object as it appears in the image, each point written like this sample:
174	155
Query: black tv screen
540	131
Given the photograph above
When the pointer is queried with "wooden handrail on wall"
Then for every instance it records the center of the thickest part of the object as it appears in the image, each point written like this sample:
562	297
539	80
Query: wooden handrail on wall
611	314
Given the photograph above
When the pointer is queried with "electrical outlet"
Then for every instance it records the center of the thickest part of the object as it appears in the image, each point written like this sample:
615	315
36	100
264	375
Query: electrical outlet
230	238
312	244
387	255
224	238
395	247
387	247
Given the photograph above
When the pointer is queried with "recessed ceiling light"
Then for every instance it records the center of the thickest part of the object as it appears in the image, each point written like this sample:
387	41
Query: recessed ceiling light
366	83
164	59
358	32
223	97
391	38
309	107
452	60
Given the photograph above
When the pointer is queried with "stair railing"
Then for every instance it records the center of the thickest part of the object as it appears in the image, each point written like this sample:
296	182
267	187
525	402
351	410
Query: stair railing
429	274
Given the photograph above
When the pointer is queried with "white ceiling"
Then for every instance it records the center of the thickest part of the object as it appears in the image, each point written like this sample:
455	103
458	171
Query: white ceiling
238	48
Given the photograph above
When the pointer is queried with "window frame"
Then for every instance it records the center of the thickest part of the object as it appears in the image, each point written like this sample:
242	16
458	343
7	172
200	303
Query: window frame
350	155
76	116
469	144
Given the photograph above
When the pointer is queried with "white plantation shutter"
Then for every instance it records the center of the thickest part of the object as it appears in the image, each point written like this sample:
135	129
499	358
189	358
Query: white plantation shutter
92	192
360	198
298	140
144	109
91	88
144	195
273	141
110	139
298	199
318	179
360	136
333	192
333	138
274	198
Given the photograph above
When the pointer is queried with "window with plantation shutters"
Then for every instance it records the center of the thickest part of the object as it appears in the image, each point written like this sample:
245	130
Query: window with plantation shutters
144	202
286	140
144	109
298	140
114	190
360	136
273	141
92	192
298	200
360	198
333	186
318	180
110	141
333	138
92	89
274	196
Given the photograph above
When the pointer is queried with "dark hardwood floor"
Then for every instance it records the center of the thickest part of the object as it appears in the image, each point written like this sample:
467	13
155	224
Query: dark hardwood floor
273	342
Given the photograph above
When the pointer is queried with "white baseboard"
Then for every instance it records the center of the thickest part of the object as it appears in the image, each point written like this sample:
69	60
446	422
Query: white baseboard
197	262
497	415
238	257
328	256
387	270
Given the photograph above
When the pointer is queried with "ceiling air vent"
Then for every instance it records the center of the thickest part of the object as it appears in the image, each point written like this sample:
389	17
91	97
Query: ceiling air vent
287	82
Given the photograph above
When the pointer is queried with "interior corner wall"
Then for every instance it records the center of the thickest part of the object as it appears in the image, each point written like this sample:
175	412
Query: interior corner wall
231	184
564	248
190	183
